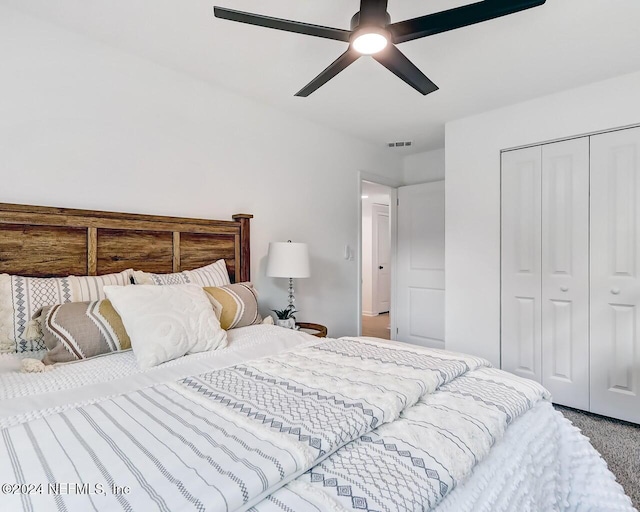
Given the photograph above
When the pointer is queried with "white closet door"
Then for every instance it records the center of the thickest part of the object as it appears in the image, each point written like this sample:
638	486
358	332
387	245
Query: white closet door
615	282
521	272
565	272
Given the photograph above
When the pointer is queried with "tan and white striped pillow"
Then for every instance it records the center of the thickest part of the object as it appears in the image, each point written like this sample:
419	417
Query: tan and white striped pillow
215	274
80	330
21	297
235	305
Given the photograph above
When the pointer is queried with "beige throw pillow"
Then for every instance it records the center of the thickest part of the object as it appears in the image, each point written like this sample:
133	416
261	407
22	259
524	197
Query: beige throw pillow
236	305
21	297
80	330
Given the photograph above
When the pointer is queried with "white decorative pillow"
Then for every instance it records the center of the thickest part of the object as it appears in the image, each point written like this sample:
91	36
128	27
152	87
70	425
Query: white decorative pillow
212	275
166	322
21	297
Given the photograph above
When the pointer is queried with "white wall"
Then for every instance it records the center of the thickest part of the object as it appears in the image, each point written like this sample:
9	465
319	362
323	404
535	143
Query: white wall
423	167
83	125
473	148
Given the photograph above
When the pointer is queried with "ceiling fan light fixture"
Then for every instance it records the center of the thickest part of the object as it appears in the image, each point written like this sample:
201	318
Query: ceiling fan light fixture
372	33
369	41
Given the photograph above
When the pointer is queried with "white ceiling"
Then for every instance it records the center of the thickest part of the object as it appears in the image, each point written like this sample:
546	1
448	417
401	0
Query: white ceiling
560	45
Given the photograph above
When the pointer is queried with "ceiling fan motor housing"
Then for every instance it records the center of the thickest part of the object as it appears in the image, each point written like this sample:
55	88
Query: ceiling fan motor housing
382	23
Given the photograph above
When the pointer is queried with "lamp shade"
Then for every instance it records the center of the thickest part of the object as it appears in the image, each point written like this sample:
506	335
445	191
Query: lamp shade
288	259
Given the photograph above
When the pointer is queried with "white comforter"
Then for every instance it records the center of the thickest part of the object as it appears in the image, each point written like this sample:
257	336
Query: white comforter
28	395
542	463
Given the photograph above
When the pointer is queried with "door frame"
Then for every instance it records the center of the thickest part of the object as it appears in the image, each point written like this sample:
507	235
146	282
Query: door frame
393	223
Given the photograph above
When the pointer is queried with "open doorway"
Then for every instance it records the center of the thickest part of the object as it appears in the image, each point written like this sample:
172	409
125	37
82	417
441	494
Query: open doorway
376	260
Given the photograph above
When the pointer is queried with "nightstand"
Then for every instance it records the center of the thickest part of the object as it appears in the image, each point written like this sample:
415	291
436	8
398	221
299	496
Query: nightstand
317	330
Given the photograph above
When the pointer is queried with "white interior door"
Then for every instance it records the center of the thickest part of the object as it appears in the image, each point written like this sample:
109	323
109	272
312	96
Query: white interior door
615	280
565	271
382	261
521	312
420	264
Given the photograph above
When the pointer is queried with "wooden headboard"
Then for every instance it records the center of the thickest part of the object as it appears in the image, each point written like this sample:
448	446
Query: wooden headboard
53	242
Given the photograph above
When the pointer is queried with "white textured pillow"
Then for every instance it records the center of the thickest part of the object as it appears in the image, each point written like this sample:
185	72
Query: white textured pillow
166	322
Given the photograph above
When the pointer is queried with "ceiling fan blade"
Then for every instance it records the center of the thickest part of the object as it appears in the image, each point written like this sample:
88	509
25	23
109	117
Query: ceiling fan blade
396	62
373	11
346	59
279	24
444	21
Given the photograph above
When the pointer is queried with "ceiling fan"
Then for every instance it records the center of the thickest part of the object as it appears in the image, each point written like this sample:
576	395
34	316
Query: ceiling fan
372	33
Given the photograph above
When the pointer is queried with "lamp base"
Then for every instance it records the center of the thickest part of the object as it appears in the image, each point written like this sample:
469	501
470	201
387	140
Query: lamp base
292	299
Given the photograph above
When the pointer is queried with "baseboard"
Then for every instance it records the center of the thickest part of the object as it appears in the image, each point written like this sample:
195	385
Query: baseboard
369	313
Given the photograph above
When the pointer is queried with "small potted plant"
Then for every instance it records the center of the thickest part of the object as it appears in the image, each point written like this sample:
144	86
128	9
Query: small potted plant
285	317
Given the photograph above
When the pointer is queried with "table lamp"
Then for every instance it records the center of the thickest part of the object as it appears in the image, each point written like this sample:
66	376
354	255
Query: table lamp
289	260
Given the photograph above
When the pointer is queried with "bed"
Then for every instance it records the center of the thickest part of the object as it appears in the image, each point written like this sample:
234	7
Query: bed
276	421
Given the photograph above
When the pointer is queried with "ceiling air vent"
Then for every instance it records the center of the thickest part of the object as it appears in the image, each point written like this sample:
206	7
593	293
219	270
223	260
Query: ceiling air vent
400	144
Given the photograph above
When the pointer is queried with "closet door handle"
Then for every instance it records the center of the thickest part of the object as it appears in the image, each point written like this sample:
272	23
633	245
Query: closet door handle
615	291
564	288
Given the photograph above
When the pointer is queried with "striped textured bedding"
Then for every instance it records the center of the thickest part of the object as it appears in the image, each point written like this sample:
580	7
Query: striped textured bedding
413	463
347	424
24	396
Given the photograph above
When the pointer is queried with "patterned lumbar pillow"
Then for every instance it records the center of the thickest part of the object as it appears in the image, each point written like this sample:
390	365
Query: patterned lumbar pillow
21	297
166	322
236	305
80	330
215	274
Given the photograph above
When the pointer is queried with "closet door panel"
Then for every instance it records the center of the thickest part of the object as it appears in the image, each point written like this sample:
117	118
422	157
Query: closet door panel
615	282
521	277
565	271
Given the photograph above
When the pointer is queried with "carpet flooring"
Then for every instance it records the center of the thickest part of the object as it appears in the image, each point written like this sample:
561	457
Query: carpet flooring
619	444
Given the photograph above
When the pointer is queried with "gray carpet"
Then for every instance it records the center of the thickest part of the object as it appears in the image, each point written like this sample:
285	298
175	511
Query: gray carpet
619	444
